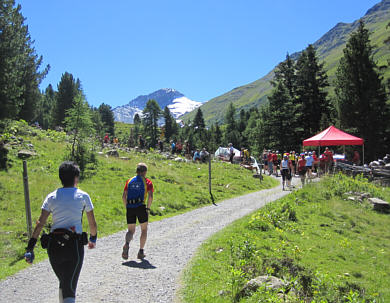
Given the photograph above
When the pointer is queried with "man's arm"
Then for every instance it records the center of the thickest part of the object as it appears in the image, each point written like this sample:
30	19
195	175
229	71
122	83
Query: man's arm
124	198
150	198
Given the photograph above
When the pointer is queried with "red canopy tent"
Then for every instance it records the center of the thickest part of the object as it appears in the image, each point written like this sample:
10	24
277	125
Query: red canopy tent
333	136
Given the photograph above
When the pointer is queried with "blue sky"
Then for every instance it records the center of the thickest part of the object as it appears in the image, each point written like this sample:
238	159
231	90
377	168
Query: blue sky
122	49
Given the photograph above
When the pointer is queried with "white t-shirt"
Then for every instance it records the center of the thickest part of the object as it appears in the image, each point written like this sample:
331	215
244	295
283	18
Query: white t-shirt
67	206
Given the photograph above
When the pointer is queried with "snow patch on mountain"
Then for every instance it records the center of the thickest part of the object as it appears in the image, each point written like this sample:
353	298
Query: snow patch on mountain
182	105
177	103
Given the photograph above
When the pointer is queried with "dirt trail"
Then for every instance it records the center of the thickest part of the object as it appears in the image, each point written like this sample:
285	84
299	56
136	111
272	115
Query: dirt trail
105	277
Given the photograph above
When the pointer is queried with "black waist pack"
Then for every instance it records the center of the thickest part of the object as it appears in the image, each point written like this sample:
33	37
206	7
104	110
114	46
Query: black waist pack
45	240
61	236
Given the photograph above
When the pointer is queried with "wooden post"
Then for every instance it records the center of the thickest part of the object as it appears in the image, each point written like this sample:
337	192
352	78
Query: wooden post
211	195
27	199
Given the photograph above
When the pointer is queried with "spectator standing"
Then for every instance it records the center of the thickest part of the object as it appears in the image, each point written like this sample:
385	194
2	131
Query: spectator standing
309	165
275	163
188	149
204	155
285	171
293	162
270	163
328	160
356	158
265	160
173	147
179	147
302	168
231	153
106	139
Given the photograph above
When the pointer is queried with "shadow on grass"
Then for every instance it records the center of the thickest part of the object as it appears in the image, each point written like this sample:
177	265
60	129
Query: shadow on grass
18	258
144	264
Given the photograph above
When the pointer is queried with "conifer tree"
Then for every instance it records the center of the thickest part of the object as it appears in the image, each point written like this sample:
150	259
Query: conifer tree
198	120
282	113
107	118
151	114
68	89
169	124
231	134
78	121
46	108
19	64
361	97
311	94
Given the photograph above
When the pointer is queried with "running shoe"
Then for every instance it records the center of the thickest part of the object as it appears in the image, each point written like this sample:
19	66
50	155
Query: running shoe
141	255
125	252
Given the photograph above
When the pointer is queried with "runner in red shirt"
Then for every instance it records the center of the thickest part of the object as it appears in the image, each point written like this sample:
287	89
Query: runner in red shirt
136	190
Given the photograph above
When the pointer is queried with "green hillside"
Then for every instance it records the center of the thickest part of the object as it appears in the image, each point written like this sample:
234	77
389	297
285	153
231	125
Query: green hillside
329	49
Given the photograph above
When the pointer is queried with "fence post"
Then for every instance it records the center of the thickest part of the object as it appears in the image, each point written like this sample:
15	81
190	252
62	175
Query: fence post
211	195
27	199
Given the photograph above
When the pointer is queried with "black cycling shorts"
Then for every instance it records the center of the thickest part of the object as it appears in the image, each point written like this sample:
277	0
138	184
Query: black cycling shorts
138	212
286	174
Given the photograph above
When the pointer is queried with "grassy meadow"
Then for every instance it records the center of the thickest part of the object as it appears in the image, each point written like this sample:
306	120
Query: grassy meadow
325	247
179	187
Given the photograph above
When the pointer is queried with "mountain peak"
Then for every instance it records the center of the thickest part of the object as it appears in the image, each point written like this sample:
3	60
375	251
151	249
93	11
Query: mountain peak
175	100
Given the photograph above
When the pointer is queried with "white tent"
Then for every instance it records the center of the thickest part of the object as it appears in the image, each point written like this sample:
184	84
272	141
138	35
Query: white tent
223	152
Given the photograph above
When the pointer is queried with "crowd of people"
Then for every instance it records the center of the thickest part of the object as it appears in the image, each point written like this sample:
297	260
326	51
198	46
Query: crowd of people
306	164
186	150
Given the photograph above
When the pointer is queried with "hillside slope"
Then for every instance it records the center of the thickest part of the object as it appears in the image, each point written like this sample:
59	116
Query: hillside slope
329	49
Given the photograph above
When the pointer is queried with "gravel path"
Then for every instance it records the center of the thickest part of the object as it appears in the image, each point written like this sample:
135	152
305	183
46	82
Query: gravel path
172	242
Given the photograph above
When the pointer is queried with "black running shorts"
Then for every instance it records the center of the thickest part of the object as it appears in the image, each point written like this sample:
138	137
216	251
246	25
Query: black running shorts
138	212
286	174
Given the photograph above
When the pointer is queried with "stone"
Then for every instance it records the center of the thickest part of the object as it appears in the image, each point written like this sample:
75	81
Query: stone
269	281
113	153
124	158
380	205
224	293
24	154
178	159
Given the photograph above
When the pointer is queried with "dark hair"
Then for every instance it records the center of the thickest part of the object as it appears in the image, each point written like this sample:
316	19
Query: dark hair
141	167
67	172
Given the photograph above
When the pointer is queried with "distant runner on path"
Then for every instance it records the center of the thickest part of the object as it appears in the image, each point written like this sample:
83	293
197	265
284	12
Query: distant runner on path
134	197
65	243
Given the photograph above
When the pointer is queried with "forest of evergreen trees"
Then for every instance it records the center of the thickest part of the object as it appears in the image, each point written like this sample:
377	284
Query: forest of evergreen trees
301	104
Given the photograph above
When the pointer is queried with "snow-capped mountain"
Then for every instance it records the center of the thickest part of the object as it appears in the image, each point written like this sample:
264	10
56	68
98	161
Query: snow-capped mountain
177	103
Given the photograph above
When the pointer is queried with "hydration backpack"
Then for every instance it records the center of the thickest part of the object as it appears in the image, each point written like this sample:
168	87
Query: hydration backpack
136	190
